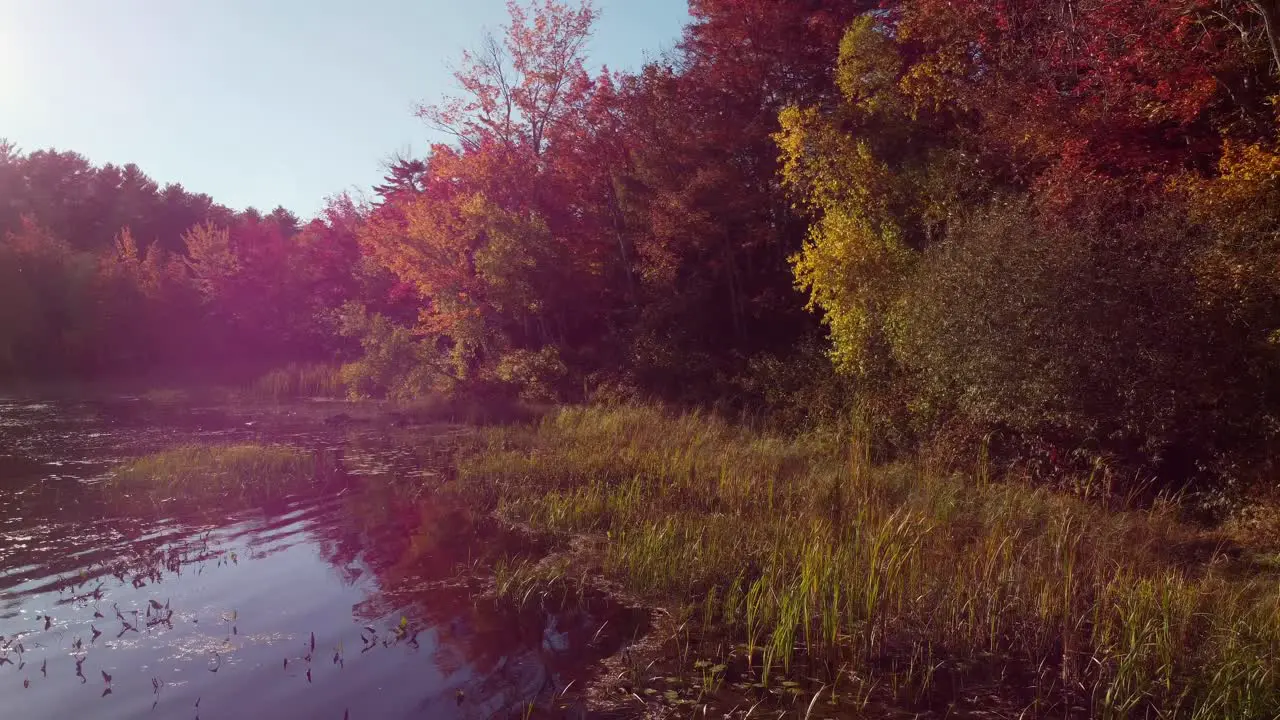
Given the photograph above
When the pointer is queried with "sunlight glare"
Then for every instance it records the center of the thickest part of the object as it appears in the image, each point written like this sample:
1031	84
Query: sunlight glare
12	75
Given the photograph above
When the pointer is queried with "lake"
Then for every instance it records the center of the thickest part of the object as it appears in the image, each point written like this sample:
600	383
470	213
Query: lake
360	601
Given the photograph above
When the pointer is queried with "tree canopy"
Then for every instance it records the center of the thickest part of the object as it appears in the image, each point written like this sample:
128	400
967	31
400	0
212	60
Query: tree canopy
1052	227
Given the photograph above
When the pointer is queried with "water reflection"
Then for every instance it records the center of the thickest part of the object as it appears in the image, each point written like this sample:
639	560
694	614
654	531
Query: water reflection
356	601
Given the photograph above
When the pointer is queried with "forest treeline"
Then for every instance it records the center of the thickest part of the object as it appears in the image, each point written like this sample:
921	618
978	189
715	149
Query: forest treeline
103	274
1049	228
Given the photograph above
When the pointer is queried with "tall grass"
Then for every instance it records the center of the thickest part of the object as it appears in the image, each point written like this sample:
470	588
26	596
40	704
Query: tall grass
194	474
298	381
805	553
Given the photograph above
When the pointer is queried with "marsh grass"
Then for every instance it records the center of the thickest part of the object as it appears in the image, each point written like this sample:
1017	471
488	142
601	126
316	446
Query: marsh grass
194	474
293	381
903	577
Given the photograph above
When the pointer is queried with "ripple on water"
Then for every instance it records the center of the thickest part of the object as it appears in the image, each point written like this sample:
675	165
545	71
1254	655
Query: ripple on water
302	609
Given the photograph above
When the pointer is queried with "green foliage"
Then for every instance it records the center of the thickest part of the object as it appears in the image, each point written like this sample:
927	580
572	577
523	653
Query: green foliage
403	365
1074	327
799	389
539	375
396	363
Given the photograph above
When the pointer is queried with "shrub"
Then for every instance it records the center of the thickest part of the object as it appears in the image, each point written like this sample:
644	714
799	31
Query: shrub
1074	331
537	375
396	363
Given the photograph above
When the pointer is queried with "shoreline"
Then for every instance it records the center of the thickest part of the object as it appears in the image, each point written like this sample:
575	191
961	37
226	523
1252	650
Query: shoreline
791	573
787	569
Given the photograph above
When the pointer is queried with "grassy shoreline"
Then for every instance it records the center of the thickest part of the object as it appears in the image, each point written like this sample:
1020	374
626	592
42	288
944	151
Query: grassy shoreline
793	573
794	558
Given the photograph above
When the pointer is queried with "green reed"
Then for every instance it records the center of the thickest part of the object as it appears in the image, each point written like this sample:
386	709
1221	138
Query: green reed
297	380
803	551
200	473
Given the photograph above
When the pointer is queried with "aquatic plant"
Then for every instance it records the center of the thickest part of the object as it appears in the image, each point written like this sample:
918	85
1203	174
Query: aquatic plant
196	473
920	581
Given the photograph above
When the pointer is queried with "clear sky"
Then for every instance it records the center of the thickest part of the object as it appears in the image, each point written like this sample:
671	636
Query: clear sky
258	102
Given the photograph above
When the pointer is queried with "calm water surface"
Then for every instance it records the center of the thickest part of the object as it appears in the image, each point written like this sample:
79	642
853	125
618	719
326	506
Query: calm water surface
355	602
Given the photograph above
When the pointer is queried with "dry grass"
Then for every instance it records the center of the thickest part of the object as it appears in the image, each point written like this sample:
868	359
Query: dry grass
903	576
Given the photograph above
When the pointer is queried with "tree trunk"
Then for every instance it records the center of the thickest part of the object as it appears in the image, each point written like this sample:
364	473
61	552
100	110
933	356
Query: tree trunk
1270	11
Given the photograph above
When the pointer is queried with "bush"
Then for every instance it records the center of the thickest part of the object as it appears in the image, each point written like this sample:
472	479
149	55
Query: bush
1073	332
538	376
403	365
397	364
797	390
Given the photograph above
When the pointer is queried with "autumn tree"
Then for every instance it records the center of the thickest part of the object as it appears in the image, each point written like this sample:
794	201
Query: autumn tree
521	90
113	274
272	285
699	190
487	233
996	244
46	291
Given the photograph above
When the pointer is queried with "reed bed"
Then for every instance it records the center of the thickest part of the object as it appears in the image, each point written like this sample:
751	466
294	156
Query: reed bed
812	559
293	381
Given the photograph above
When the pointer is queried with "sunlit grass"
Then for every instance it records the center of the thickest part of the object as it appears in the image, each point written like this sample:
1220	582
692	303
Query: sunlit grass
806	554
196	473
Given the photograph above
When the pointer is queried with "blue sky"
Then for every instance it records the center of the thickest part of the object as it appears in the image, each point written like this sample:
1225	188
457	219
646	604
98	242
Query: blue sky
258	102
